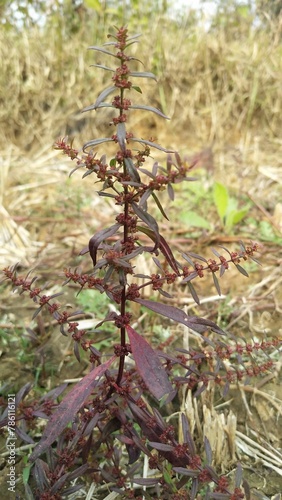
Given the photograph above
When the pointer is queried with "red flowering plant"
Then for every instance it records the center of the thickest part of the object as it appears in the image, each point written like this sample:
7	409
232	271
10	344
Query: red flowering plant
104	427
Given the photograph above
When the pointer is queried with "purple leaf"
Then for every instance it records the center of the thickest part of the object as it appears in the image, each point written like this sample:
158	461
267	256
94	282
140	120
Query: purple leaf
170	192
215	252
186	257
193	292
161	446
152	145
23	392
186	472
121	136
54	393
100	49
148	365
238	476
146	481
144	198
158	203
23	435
216	283
37	312
145	171
196	256
187	435
158	264
163	247
150	221
96	142
149	108
219	496
68	492
222	270
40	472
76	351
100	98
131	170
133	453
242	270
98	237
165	294
68	408
200	325
208	450
105	68
144	74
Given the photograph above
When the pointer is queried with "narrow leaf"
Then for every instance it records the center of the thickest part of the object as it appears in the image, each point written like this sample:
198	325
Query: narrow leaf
200	325
68	408
197	256
106	68
163	247
132	170
242	270
186	472
170	192
143	74
100	49
149	108
216	283
148	365
96	142
238	476
208	450
215	252
144	198
220	195
99	99
54	393
121	136
161	446
159	205
100	236
152	144
138	89
193	292
149	220
146	481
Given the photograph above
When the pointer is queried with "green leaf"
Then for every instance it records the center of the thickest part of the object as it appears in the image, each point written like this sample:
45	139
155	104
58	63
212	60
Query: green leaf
236	216
94	4
26	471
221	198
192	219
134	87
